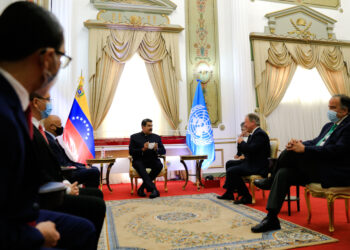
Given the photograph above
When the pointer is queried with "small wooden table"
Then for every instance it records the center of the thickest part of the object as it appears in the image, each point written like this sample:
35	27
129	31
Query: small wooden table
102	161
199	160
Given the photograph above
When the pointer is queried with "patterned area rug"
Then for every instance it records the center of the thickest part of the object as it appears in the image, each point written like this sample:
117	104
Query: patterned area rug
195	221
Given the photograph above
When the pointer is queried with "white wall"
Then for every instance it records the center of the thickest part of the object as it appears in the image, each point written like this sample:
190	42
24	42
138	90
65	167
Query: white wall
236	19
4	3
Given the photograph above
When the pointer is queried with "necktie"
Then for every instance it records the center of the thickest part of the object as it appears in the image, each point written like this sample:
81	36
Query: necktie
327	135
42	132
28	114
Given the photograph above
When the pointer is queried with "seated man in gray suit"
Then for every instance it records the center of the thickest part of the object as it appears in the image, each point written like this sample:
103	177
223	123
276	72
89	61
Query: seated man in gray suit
321	160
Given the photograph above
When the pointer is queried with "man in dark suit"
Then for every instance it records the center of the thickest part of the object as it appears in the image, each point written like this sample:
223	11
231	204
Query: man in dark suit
256	151
24	68
144	148
84	202
321	160
89	176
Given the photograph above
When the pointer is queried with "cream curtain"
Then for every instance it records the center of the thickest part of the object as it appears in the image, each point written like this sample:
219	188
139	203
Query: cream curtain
275	64
108	52
161	71
337	82
271	91
113	49
102	88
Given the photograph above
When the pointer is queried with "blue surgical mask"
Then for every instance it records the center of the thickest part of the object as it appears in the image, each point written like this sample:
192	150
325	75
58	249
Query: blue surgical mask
332	116
45	113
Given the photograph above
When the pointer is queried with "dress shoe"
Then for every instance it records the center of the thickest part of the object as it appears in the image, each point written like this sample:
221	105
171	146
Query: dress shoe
154	194
267	224
226	196
264	184
141	192
244	200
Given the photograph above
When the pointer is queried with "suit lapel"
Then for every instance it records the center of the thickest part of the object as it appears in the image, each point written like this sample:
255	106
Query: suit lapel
14	102
338	129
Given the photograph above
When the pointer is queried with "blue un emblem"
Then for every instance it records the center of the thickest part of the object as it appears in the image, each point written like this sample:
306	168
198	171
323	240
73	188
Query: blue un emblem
199	126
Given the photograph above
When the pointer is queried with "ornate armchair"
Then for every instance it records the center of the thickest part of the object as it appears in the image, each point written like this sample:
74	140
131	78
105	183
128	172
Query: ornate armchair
332	193
274	144
134	175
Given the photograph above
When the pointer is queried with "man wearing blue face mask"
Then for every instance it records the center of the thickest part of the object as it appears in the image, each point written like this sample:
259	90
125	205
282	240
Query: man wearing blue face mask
41	105
321	160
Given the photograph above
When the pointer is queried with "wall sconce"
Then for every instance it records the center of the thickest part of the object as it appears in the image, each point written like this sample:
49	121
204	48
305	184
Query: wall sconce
203	72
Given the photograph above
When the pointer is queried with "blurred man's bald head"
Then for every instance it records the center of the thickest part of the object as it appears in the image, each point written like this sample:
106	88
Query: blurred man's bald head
51	123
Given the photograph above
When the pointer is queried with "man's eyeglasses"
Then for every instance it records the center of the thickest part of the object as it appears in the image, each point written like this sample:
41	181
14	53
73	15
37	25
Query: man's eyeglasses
44	98
65	60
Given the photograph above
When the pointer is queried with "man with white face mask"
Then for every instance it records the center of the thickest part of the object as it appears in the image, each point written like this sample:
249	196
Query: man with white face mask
321	160
31	54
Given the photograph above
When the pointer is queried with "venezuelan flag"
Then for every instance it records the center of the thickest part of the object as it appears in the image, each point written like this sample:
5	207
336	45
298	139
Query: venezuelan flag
78	132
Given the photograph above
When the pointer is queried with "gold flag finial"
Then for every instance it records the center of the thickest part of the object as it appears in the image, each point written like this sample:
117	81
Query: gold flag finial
81	78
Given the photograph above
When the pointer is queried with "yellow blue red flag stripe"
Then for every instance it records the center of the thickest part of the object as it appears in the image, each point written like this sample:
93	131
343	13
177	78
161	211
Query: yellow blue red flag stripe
78	133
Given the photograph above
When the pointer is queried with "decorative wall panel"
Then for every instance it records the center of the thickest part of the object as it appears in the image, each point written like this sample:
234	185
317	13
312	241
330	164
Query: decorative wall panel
203	55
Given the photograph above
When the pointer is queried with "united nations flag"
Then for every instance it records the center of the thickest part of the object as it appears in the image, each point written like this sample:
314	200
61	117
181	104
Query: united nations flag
199	136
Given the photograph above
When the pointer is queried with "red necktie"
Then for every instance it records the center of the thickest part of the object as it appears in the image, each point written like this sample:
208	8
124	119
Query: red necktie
28	114
42	132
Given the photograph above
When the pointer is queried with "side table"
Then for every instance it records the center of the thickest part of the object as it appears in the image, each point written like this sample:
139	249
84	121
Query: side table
199	160
102	161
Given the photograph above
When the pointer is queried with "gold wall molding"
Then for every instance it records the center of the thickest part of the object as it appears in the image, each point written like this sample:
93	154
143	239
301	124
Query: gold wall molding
275	38
148	6
145	15
226	142
328	4
118	26
300	22
221	151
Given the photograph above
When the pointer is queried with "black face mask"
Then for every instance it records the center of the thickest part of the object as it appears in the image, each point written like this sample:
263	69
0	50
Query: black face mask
59	131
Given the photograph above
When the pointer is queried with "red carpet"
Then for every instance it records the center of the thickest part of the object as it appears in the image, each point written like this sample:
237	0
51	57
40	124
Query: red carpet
319	221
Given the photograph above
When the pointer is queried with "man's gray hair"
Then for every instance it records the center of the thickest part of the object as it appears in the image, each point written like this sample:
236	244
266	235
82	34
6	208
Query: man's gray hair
344	101
254	118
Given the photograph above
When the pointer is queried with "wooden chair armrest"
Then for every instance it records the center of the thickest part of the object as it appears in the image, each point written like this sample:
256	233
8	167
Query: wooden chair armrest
164	159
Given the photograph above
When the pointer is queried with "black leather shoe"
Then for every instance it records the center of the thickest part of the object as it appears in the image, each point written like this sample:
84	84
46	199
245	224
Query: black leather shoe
243	200
226	196
264	184
267	224
154	194
141	192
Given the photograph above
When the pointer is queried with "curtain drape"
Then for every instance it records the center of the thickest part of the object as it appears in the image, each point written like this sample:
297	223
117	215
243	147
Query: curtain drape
337	82
163	77
271	91
160	52
275	64
102	88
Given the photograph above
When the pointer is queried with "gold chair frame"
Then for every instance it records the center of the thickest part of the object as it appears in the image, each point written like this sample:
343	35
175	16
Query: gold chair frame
134	175
330	194
251	178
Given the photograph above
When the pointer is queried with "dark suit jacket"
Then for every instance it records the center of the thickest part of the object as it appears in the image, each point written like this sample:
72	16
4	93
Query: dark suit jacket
49	167
332	157
60	154
256	151
19	176
136	144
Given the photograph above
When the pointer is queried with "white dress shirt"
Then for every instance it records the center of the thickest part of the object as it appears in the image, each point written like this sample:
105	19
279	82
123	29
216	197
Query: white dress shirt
21	92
